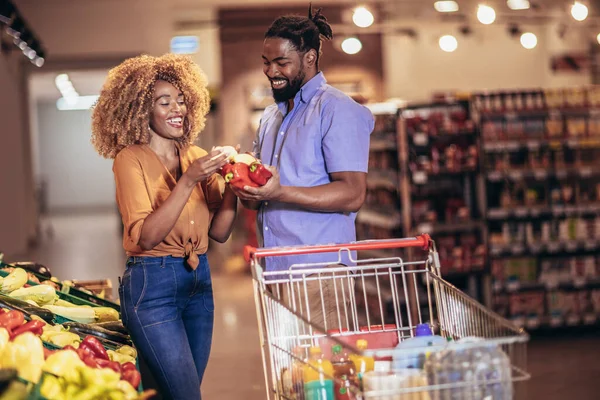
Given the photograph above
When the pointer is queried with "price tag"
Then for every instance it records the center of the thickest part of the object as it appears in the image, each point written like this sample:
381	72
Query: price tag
513	286
419	177
521	212
561	174
554	113
535	248
421	139
589	319
497	286
495	176
425	228
570	210
553	247
573	320
571	245
497	213
590	245
556	322
518	249
579	281
540	174
512	146
519	321
558	210
495	251
551	283
585	172
533	322
516	175
533	145
573	143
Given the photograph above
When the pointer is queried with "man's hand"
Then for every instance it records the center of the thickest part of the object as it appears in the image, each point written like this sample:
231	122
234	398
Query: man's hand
270	191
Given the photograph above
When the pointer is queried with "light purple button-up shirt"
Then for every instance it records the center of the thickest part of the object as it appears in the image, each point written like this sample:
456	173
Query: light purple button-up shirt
325	132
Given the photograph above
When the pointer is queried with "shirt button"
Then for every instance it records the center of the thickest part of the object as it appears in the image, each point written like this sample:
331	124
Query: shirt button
266	228
192	222
282	133
266	203
276	156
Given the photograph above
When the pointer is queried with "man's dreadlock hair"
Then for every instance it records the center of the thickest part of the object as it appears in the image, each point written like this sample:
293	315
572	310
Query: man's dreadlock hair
304	33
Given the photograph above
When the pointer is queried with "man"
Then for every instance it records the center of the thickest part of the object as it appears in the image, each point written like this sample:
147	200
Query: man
315	140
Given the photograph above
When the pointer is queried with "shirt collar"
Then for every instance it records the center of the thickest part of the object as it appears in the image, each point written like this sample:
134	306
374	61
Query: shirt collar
306	92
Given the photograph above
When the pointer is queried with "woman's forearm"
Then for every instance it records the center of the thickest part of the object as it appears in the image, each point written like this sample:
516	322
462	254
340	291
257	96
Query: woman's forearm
222	223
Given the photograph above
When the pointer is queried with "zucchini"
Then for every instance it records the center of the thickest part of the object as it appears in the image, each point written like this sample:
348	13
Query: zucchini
106	314
26	308
80	314
41	294
15	280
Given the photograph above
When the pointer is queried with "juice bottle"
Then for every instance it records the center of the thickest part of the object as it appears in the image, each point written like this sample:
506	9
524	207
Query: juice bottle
362	364
344	373
317	377
297	375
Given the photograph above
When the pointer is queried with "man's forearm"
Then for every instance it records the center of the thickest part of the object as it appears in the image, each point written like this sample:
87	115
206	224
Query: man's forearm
332	197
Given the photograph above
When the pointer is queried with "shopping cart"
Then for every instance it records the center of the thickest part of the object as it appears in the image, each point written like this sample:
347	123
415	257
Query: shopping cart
383	300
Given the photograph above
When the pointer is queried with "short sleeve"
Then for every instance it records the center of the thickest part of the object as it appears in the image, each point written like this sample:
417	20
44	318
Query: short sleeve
346	128
215	186
132	196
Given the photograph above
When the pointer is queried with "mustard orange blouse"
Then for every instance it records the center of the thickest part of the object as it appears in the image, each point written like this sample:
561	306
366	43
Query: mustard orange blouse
143	183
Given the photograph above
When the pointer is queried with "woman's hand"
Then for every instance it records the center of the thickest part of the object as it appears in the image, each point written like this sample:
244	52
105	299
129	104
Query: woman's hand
202	168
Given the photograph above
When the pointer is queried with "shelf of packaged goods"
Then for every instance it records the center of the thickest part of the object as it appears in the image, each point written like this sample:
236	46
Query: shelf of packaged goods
447	227
382	178
512	145
384	218
522	212
576	284
542	174
538	113
548	248
423	177
382	144
554	322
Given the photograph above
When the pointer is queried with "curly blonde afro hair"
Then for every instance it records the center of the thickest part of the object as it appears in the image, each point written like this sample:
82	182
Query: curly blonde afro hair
122	113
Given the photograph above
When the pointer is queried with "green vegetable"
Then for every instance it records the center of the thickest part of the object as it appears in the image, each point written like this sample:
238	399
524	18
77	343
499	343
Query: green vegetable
15	280
41	294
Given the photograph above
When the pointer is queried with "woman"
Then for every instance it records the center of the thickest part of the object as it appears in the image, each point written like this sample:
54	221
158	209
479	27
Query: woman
149	113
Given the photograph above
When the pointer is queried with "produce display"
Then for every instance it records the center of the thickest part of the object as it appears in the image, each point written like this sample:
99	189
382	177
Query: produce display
60	349
243	169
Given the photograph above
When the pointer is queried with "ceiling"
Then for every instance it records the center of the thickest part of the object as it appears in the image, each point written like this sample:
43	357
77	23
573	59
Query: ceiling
43	88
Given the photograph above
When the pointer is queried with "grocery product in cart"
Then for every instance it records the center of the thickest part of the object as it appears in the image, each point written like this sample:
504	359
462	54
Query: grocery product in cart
346	381
396	305
412	351
362	363
318	372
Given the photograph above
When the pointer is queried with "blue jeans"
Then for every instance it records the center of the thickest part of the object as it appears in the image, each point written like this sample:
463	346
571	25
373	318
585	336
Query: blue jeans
169	312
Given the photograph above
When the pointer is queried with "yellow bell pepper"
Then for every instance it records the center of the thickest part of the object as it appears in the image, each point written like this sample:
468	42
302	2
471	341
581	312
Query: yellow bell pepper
25	354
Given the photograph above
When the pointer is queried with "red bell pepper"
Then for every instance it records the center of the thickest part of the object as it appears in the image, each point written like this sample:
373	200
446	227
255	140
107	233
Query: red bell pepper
132	376
11	320
237	175
128	365
259	174
35	326
115	366
95	346
90	361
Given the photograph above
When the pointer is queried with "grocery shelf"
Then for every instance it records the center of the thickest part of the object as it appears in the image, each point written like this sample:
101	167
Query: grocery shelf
522	212
386	218
448	227
549	248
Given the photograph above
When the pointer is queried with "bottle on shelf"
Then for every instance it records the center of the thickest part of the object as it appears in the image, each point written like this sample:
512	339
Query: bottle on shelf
317	375
346	382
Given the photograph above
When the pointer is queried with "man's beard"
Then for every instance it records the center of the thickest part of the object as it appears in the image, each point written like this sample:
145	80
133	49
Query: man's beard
290	90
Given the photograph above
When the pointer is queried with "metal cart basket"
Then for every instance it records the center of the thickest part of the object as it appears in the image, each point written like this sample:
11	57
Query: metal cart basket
368	308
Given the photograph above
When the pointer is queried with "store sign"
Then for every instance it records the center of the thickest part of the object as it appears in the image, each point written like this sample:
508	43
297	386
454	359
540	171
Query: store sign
185	44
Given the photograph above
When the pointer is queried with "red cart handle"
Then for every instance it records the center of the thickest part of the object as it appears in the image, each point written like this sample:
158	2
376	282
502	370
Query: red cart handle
423	241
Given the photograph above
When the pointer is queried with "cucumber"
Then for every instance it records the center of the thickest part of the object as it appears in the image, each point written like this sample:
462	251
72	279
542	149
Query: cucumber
26	308
114	326
99	332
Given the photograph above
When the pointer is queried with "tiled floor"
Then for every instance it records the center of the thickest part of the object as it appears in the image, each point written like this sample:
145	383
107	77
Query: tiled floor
564	366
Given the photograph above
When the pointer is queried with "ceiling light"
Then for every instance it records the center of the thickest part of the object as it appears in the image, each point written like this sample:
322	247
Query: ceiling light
362	17
529	40
448	43
486	14
446	6
518	4
579	11
351	45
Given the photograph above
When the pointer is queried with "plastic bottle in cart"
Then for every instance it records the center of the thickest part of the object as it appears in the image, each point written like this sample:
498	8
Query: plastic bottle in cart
343	371
411	353
293	381
318	384
362	364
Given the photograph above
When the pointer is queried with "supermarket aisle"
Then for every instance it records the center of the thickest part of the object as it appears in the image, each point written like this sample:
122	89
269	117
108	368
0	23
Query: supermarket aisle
89	247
